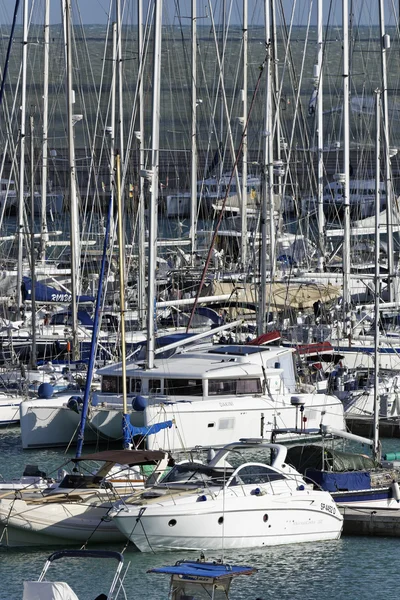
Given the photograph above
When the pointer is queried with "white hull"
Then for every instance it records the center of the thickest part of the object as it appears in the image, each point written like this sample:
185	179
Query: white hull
48	423
254	521
9	409
24	523
218	422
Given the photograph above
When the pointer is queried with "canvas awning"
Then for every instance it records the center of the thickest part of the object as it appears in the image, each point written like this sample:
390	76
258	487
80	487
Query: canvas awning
281	295
303	295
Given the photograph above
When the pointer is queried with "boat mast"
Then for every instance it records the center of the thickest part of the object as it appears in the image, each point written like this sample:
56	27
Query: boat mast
155	137
244	240
21	195
112	117
95	336
74	217
320	140
44	237
346	161
33	356
121	250
376	447
140	139
193	170
385	45
267	203
120	81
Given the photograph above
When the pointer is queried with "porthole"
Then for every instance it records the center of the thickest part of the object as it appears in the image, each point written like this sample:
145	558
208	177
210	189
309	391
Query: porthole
265	518
220	520
172	522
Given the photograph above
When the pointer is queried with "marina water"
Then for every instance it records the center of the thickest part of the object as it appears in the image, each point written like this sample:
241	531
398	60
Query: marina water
351	568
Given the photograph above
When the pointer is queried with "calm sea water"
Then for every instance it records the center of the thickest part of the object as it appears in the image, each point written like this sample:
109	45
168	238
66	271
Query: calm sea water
350	568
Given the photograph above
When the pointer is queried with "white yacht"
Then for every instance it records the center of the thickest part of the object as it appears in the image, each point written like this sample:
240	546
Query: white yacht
211	396
256	504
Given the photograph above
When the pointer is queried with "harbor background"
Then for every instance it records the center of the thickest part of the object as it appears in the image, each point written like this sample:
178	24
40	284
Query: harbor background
350	568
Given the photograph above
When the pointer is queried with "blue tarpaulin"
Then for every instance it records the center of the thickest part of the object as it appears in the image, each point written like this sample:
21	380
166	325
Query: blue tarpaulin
335	482
192	570
149	430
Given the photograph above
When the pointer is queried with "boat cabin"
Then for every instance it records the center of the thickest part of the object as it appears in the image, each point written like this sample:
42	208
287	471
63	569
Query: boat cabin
218	371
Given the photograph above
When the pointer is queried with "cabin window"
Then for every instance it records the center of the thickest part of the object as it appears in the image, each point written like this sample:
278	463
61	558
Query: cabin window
109	384
136	386
113	385
255	474
224	387
248	386
154	386
184	387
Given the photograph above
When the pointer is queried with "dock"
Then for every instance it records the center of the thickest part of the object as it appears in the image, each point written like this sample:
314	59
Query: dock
364	426
371	521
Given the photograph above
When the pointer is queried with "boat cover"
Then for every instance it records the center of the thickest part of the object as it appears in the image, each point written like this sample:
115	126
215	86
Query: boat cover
340	482
48	590
192	570
124	457
311	456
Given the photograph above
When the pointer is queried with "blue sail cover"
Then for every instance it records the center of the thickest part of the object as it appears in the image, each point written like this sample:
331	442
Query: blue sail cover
145	431
47	294
193	570
129	431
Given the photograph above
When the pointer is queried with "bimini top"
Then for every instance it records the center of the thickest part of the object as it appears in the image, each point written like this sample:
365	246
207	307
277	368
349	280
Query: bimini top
193	570
124	457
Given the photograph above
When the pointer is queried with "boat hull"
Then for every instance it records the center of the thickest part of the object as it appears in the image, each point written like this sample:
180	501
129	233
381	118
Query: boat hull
49	423
250	522
24	523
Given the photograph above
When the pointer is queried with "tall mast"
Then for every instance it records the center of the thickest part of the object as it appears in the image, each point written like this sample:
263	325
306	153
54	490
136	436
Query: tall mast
193	170
140	139
120	81
33	357
154	183
346	160
74	217
121	247
320	140
385	45
376	448
44	236
270	148
244	138
267	183
112	115
21	194
277	122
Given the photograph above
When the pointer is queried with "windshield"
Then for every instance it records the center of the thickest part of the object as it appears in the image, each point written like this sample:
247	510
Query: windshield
197	473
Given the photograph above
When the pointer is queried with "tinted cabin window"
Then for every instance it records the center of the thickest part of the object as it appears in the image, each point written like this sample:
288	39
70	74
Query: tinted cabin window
224	387
248	386
184	387
112	384
109	383
253	474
